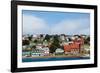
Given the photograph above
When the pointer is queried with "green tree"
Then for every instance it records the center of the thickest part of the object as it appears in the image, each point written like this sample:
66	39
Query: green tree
41	35
56	41
47	37
34	47
87	40
35	41
25	42
55	44
30	37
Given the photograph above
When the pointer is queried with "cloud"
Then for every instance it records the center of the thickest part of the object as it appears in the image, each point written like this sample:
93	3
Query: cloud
74	26
34	25
37	25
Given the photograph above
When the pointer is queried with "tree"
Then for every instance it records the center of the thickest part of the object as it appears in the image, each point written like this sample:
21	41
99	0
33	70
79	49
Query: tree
41	35
34	46
30	37
47	37
25	42
87	40
52	48
35	41
55	44
56	41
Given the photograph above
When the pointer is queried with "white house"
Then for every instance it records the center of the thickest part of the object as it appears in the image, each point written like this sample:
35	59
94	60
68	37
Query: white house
59	50
37	52
46	50
62	37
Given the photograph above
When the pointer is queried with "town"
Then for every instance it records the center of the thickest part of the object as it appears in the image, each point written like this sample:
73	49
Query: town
45	46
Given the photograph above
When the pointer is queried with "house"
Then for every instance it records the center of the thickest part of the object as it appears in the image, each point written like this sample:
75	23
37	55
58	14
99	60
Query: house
45	43
26	54
46	50
39	46
40	52
59	51
34	37
62	37
75	46
24	47
71	48
37	52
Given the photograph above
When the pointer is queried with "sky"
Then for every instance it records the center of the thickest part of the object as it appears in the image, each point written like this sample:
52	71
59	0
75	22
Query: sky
44	22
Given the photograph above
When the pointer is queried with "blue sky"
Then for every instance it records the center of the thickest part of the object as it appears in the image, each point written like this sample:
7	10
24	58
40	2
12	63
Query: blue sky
37	22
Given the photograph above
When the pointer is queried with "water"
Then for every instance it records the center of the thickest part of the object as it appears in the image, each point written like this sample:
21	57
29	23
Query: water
50	59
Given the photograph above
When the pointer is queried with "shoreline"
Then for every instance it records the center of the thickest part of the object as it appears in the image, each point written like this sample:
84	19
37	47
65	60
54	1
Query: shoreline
70	56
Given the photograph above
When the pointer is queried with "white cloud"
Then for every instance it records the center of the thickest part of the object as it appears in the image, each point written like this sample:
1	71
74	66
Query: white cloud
64	27
34	25
76	26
